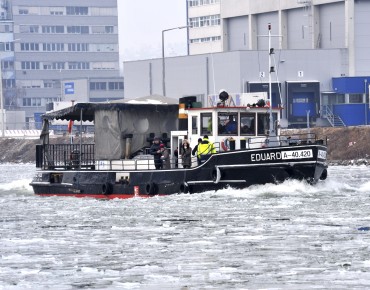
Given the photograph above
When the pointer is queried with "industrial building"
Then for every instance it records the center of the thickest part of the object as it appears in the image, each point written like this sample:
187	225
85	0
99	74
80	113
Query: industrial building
320	57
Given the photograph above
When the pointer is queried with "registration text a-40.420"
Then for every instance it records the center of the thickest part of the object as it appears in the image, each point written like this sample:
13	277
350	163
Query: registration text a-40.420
297	154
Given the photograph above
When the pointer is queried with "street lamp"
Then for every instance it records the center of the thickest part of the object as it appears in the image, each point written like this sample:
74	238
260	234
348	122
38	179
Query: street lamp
2	100
163	64
2	95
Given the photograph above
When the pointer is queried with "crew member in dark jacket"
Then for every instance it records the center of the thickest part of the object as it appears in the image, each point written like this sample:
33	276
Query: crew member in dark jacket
195	151
155	150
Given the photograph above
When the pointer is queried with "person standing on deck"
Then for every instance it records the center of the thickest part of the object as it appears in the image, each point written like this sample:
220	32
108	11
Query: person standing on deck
186	154
205	149
195	150
155	150
165	157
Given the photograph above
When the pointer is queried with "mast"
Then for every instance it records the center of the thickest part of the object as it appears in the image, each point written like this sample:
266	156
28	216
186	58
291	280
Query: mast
272	132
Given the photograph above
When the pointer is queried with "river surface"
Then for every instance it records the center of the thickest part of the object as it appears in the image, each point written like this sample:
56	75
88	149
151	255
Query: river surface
286	236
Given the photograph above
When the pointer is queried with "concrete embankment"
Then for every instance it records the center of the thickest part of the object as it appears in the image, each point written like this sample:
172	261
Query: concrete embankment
348	145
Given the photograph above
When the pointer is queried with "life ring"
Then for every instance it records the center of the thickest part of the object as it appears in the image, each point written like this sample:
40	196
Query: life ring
184	188
151	188
106	188
225	144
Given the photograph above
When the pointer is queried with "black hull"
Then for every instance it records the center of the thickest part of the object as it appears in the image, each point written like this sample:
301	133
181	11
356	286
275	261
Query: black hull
237	169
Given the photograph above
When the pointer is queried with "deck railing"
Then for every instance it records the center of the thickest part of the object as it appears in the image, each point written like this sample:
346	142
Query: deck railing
66	156
82	156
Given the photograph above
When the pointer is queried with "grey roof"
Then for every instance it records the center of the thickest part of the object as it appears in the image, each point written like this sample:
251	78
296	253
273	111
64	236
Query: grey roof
159	103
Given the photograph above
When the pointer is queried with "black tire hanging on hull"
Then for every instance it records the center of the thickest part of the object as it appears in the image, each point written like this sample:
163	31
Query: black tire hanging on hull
151	188
324	174
106	188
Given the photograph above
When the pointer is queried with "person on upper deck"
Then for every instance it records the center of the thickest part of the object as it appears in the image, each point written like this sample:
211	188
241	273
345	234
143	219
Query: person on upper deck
155	150
205	149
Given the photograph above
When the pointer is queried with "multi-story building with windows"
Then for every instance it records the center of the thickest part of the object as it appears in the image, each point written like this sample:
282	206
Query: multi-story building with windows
204	18
53	43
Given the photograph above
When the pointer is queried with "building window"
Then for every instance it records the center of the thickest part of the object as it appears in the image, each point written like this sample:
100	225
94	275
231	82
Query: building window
202	2
6	46
29	46
9	83
31	102
205	39
77	10
98	86
8	65
53	46
109	29
53	29
78	29
210	20
115	86
56	12
29	29
78	47
102	29
5	28
23	11
78	65
355	98
104	65
30	65
53	65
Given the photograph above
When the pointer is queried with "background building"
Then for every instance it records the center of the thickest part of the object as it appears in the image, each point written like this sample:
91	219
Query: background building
49	46
321	58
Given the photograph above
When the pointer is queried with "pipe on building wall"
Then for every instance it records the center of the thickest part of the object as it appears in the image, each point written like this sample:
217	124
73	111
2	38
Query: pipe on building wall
150	79
207	76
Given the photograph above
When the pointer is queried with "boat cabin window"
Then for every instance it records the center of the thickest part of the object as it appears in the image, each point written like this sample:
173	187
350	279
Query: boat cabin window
263	122
194	125
227	123
247	124
206	123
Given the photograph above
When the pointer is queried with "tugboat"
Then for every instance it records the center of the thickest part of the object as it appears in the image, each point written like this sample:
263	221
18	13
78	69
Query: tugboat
243	131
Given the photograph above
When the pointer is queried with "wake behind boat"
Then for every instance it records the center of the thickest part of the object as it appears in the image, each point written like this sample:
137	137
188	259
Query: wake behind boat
245	147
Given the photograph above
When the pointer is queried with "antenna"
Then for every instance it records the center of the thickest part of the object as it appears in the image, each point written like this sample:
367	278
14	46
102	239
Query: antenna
272	69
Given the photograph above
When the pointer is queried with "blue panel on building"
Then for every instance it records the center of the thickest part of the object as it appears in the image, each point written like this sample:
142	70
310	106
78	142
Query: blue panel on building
352	114
351	85
69	88
38	120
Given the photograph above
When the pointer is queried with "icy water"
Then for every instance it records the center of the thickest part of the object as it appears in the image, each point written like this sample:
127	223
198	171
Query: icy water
287	236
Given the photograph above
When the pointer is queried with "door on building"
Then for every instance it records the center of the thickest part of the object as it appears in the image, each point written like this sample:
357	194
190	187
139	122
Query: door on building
302	103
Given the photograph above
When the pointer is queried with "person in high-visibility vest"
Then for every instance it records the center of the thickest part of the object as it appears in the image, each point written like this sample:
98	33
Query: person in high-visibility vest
205	149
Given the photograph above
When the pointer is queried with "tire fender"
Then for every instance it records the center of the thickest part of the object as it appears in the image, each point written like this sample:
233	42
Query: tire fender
106	188
151	188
